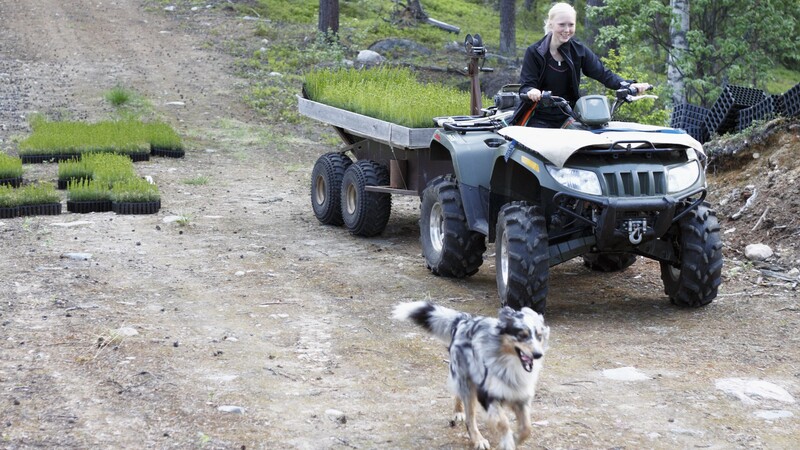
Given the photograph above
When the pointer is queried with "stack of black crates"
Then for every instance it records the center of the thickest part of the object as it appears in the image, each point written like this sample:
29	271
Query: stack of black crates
736	109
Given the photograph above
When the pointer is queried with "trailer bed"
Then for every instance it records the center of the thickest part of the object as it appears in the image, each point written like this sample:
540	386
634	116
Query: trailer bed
377	130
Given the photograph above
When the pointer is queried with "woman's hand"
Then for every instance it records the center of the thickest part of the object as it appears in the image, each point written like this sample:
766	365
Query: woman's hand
641	87
534	94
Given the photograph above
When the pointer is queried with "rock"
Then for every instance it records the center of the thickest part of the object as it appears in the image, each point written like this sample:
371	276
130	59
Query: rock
399	47
231	409
169	8
757	252
76	223
369	58
127	332
336	415
175	104
240	273
747	390
773	415
77	256
625	374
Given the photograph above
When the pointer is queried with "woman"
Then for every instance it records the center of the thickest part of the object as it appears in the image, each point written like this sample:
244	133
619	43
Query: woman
555	64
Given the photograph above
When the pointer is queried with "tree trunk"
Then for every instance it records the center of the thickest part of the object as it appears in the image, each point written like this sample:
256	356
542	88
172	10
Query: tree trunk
416	10
677	33
528	5
329	16
508	28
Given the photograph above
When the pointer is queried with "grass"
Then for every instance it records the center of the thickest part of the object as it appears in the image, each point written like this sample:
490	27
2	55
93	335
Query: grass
391	94
119	96
199	180
10	166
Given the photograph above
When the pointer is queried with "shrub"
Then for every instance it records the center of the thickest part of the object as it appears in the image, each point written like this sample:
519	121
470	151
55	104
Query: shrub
10	166
134	190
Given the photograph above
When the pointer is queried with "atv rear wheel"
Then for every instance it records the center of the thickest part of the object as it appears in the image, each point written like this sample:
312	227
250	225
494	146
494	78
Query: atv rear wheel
608	262
522	257
326	187
694	281
365	213
450	248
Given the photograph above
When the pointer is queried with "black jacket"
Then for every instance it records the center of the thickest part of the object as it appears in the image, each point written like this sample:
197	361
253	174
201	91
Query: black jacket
579	58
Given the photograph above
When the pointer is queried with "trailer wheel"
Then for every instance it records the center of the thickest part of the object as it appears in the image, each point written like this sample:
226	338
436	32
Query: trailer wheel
608	262
694	281
326	187
522	257
365	213
450	248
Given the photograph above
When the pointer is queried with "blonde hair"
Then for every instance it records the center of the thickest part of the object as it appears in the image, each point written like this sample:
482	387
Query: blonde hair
557	8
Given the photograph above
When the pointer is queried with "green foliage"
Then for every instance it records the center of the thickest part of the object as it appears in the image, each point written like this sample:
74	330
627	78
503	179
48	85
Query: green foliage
647	111
134	190
37	194
118	96
109	168
729	40
196	181
391	94
10	166
88	190
119	136
74	168
8	196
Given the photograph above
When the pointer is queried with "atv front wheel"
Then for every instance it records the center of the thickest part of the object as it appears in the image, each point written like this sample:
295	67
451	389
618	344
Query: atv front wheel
522	257
365	213
450	248
693	282
608	262
326	187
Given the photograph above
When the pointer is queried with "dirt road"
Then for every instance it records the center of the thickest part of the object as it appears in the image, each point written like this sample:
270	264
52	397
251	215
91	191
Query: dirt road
249	325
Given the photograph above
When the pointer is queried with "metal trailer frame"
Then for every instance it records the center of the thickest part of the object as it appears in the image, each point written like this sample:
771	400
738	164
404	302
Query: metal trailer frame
404	151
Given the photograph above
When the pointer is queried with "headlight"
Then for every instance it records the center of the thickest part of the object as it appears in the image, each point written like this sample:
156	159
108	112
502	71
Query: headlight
681	177
577	179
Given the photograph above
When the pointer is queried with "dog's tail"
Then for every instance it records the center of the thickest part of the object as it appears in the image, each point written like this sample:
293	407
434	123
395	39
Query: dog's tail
438	320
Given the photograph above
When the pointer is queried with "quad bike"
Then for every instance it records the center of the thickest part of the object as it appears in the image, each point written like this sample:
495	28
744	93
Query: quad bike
602	190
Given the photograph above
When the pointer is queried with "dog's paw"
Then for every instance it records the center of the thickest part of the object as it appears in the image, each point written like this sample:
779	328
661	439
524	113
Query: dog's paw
482	444
458	417
507	443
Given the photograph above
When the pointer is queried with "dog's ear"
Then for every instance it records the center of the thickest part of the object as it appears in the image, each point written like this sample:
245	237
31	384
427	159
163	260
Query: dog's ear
505	313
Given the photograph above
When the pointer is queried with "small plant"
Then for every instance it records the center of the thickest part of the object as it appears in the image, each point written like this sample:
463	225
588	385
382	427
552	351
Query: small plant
134	190
119	96
88	190
38	194
196	181
109	168
8	196
10	166
74	169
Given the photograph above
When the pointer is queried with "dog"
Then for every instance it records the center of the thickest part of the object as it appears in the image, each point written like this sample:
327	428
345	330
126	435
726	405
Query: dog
494	362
